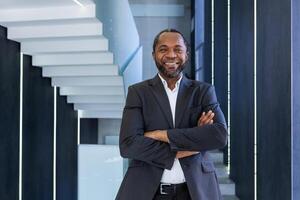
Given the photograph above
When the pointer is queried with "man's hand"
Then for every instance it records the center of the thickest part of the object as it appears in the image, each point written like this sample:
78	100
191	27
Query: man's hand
183	154
206	118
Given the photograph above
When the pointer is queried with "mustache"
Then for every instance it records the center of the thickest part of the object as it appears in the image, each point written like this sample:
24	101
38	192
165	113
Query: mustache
170	60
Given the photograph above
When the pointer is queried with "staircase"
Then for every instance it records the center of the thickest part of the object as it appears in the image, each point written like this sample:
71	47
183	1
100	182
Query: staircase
227	186
67	42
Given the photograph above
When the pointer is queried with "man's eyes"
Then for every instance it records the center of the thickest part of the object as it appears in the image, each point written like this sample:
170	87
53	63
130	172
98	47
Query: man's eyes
162	50
175	50
178	50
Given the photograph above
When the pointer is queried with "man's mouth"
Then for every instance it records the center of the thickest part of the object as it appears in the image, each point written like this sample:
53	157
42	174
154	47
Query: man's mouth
170	68
171	64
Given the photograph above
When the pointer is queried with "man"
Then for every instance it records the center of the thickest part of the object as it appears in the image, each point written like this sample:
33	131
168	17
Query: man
169	122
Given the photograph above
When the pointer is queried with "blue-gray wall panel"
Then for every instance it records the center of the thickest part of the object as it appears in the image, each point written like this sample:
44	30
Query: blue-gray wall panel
88	131
274	99
199	21
221	58
66	150
242	97
38	115
3	33
296	97
9	117
203	39
207	54
193	41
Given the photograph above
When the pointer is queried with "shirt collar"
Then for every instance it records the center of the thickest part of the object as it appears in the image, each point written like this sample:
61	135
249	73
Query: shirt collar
166	84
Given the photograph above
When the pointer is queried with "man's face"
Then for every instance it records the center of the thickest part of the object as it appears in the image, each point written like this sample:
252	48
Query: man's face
170	54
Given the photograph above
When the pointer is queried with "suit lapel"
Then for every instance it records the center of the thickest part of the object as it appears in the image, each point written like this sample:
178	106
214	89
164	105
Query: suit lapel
184	93
162	98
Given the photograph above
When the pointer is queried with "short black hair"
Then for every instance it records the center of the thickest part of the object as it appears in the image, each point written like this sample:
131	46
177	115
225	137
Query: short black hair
169	30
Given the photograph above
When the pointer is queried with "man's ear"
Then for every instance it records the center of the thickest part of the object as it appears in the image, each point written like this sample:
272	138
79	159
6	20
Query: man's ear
187	56
153	55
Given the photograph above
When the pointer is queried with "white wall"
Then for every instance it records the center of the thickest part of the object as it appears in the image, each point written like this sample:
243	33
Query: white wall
100	172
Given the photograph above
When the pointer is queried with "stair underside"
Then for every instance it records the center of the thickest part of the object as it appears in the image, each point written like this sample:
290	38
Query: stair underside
67	42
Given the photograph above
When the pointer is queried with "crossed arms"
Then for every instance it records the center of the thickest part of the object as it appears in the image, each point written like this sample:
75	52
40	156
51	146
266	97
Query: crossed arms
162	135
160	147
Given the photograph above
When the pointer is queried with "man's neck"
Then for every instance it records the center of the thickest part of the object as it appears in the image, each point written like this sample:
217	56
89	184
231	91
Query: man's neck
171	82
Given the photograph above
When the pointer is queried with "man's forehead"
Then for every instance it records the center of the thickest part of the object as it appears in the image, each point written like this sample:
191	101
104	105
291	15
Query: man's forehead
170	36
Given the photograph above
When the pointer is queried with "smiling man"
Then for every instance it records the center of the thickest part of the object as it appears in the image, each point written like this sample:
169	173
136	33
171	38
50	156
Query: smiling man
169	123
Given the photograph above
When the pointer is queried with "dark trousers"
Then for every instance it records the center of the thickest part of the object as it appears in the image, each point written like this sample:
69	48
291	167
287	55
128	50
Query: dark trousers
172	192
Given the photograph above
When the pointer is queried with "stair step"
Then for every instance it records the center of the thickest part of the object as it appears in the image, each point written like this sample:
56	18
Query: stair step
92	90
82	70
88	81
99	107
216	157
9	17
227	189
61	28
101	114
83	58
96	99
64	44
225	180
221	172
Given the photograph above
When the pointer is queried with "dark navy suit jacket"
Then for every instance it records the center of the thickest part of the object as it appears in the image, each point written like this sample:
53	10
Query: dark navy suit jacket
147	108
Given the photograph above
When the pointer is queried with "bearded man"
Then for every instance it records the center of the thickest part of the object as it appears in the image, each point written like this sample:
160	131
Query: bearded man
169	123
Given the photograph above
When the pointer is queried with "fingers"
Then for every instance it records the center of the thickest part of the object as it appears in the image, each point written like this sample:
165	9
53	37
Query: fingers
206	118
200	119
183	154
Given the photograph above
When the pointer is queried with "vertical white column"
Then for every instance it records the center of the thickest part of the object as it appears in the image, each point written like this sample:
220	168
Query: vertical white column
21	127
54	144
255	103
78	126
292	99
212	42
228	82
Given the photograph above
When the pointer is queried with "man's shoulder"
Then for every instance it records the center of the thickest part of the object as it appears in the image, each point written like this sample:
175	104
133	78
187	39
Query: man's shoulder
200	84
140	85
194	83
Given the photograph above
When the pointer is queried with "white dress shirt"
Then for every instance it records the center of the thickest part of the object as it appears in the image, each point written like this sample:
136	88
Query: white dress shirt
175	175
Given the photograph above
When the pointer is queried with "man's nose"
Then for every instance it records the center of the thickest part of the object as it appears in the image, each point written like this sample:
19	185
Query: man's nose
171	54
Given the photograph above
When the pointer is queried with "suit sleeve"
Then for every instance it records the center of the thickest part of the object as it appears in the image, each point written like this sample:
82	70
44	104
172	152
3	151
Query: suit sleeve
206	137
132	142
